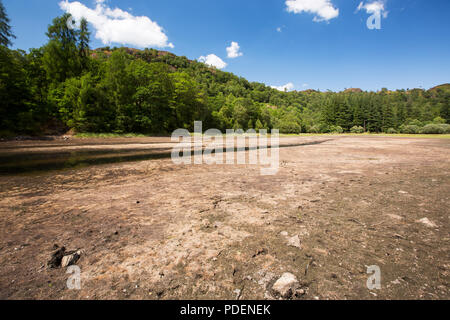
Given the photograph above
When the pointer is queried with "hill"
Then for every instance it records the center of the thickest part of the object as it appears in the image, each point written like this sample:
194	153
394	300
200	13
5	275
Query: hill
445	87
126	90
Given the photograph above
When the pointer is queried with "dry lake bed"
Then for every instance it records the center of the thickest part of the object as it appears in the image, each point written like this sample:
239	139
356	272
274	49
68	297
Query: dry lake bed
149	229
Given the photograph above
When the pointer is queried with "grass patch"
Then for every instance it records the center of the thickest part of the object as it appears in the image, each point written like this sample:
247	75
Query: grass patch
399	135
110	135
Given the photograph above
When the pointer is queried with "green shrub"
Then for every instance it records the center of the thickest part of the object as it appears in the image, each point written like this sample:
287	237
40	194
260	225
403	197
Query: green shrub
319	128
324	128
336	129
314	129
446	128
435	129
391	131
410	129
357	129
290	127
439	120
414	122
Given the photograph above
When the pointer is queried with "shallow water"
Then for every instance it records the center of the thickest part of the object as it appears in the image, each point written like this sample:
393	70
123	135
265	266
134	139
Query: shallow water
12	163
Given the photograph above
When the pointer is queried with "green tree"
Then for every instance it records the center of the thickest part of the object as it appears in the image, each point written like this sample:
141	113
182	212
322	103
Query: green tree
16	106
188	101
65	53
152	101
83	43
5	29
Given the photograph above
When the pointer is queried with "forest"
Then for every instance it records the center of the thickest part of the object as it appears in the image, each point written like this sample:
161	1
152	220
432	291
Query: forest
66	86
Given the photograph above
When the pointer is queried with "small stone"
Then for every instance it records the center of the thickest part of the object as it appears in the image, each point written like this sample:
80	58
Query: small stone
284	234
206	223
395	217
428	223
261	251
294	242
299	292
237	293
286	285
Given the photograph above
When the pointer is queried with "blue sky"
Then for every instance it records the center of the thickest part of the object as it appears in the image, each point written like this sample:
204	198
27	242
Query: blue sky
304	44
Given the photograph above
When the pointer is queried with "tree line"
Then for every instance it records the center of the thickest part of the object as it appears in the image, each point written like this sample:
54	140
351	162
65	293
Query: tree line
64	85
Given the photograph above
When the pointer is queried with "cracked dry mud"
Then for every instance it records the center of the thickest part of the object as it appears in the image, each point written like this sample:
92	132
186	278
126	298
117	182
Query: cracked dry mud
156	230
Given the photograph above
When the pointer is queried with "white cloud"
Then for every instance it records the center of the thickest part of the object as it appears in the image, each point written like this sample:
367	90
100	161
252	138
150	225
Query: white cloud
375	7
233	50
323	9
213	60
287	87
305	85
118	26
279	29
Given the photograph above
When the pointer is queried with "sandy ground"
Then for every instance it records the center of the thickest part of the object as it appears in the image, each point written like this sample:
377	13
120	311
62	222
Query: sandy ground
155	230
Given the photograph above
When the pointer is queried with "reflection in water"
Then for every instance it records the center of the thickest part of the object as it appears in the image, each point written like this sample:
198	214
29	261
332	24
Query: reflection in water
11	164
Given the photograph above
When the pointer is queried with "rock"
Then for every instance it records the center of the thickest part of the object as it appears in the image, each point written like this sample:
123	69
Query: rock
284	234
237	294
402	192
206	223
57	256
428	223
70	259
294	242
260	251
286	285
300	292
395	217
